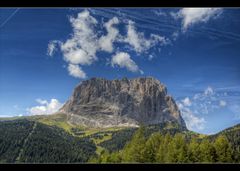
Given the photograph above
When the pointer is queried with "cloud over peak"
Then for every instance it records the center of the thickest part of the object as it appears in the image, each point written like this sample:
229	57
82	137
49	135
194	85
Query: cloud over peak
90	37
123	60
138	40
106	42
82	47
76	71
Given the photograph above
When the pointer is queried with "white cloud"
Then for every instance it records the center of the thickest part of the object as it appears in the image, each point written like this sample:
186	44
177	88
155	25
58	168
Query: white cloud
201	103
138	41
52	46
82	46
187	102
207	101
222	103
45	108
191	16
76	71
85	41
208	91
123	60
106	42
192	121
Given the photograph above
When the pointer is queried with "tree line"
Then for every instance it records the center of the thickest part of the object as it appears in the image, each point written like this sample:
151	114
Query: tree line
167	148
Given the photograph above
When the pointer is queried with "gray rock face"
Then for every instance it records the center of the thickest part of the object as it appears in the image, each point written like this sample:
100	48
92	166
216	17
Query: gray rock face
127	102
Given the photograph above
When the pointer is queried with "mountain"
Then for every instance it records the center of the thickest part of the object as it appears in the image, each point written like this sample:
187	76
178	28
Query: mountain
100	123
102	103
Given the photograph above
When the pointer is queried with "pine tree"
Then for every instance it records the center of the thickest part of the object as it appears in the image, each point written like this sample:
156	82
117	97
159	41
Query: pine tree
223	149
177	150
134	151
161	156
181	148
207	152
115	157
152	146
193	151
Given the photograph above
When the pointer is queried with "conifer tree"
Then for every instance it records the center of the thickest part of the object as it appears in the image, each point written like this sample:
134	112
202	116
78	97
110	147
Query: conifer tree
162	152
223	149
193	151
177	150
152	146
207	152
134	150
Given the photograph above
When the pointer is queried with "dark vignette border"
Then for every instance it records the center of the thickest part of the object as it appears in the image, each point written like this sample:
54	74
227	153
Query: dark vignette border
119	3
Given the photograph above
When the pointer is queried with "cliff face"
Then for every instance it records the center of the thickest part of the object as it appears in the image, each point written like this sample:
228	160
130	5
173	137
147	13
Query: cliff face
127	102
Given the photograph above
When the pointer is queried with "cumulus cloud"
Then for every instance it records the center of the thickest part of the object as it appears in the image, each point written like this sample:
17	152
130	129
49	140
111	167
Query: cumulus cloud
138	40
187	102
191	16
106	42
76	71
82	46
124	60
45	107
85	41
192	120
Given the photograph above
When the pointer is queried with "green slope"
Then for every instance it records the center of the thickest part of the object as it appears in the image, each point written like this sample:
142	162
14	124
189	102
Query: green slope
33	142
51	139
233	136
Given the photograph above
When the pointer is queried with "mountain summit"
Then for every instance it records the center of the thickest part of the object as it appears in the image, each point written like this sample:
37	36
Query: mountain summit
101	103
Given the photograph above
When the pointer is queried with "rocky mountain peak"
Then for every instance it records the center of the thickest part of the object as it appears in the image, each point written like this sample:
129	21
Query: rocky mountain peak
99	102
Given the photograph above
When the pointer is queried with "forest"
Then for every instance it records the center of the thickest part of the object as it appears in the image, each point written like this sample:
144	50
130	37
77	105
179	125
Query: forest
24	141
166	148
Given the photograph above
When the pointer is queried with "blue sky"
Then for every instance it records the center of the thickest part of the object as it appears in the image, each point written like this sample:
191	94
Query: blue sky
45	53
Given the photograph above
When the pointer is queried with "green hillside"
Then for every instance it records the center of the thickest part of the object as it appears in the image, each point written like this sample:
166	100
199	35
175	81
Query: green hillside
51	139
33	142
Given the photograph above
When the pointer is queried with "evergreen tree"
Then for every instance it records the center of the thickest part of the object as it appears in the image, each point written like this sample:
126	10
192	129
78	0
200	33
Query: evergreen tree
223	149
207	152
161	156
177	150
193	151
134	150
181	148
115	157
152	146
